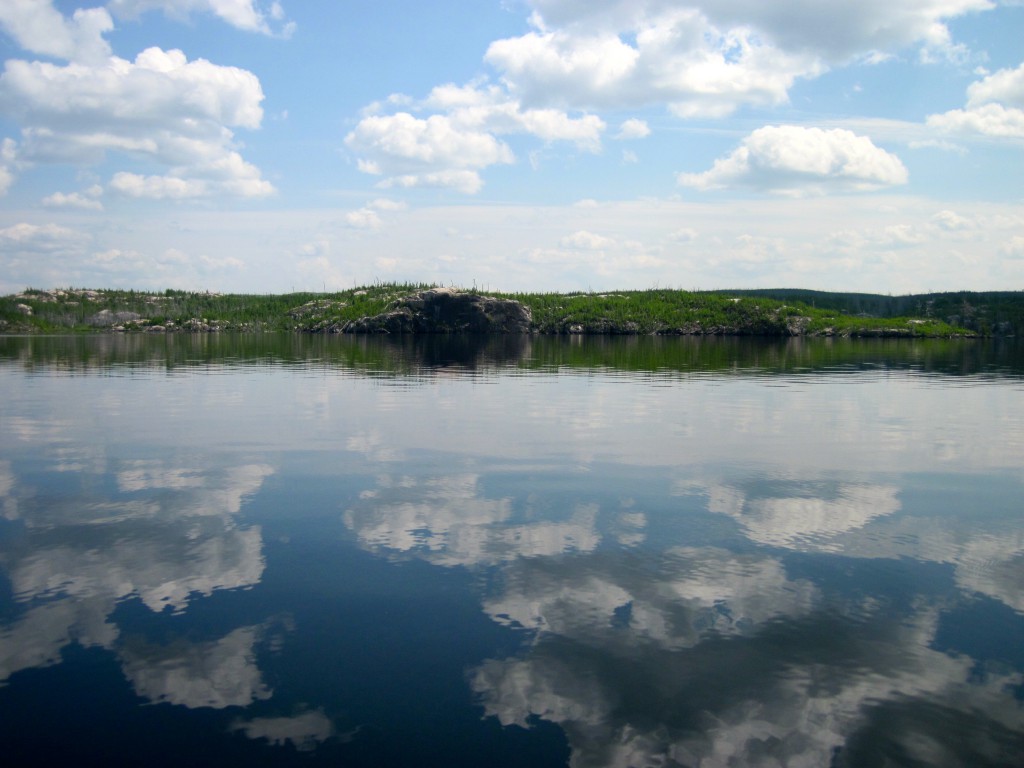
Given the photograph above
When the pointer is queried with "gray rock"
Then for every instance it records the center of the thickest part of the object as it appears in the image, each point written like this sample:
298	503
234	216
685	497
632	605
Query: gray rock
105	318
446	310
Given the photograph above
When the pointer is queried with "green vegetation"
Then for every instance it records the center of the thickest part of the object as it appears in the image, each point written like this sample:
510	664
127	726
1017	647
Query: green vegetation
719	313
657	311
76	310
999	313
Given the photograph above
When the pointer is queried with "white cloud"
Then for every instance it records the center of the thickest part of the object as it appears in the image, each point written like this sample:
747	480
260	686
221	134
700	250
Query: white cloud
700	59
987	119
40	28
1006	86
554	125
995	107
633	129
684	235
156	187
1014	248
161	107
426	152
449	147
837	32
794	160
384	204
708	58
679	59
363	218
951	221
588	241
247	15
42	237
8	153
467	182
87	200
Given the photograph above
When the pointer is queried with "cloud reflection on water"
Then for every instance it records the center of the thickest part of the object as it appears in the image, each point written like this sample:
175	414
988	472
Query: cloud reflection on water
219	673
770	674
625	639
448	521
305	731
172	536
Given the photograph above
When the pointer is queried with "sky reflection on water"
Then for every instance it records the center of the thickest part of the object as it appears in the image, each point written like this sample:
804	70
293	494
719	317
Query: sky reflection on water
357	558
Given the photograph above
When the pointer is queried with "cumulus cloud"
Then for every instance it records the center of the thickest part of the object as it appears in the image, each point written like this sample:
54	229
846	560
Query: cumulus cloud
433	151
586	241
835	32
87	200
794	160
36	26
708	58
247	15
156	187
633	129
160	107
995	107
363	218
27	237
679	58
410	141
451	146
698	59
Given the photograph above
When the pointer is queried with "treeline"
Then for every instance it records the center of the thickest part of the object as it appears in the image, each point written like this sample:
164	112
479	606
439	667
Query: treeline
999	313
782	312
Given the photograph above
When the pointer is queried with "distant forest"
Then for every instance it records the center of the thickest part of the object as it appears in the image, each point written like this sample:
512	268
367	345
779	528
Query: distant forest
987	313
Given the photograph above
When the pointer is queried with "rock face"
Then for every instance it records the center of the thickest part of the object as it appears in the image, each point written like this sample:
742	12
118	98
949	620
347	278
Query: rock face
105	317
446	310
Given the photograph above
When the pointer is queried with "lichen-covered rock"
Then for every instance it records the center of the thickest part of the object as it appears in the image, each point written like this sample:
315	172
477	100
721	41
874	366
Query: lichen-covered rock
314	308
446	310
106	317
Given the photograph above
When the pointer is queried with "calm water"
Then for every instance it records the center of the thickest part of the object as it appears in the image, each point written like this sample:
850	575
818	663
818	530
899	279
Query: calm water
634	552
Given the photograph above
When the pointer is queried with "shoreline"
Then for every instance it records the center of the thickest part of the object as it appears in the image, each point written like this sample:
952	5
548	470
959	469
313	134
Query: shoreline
400	309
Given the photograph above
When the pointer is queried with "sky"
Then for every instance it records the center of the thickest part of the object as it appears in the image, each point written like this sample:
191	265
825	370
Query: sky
512	145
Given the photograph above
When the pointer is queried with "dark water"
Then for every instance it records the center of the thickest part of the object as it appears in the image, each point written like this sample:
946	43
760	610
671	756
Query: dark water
287	550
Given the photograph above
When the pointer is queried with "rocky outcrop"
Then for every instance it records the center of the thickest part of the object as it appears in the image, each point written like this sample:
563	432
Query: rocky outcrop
106	317
446	310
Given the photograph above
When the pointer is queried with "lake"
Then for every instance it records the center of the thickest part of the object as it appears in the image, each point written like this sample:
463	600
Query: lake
294	550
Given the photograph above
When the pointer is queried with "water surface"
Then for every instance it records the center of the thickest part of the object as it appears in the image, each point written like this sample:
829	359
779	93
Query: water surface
222	550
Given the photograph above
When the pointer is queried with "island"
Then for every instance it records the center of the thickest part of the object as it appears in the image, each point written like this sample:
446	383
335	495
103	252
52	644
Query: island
399	309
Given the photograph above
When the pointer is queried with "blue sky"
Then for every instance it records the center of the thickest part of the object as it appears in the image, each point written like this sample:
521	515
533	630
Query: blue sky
240	145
